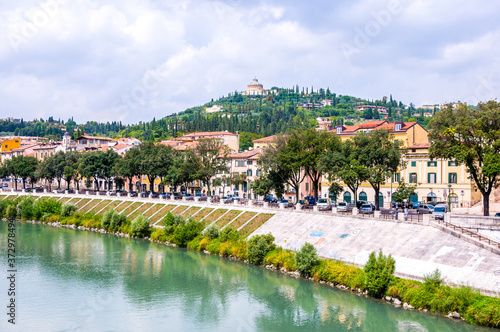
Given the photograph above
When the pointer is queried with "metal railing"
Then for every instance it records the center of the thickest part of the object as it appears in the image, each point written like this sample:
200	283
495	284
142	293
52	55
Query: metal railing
470	233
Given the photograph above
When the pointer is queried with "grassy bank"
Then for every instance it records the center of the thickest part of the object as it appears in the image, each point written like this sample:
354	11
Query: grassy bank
376	278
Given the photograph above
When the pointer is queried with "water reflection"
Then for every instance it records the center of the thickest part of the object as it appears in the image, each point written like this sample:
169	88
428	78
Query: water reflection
120	284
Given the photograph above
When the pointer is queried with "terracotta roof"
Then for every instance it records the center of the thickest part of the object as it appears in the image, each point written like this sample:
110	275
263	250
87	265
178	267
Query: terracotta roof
266	139
245	154
210	133
186	146
372	124
121	146
22	148
391	126
171	143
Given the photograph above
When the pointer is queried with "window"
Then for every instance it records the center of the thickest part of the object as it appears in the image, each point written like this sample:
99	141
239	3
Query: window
249	172
398	126
396	177
240	163
237	186
249	162
307	186
452	177
413	164
256	172
431	178
452	163
432	163
413	177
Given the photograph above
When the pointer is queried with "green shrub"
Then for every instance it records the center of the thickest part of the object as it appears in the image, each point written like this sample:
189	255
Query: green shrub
25	208
306	258
211	232
140	226
185	232
339	273
68	210
159	235
116	221
229	234
46	206
11	212
106	219
281	258
485	311
214	246
433	280
258	246
379	274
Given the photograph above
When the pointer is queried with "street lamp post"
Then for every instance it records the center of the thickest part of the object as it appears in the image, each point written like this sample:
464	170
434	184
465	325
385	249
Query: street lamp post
449	197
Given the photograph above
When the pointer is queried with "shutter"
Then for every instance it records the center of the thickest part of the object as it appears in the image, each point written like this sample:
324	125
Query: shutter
428	177
449	177
449	162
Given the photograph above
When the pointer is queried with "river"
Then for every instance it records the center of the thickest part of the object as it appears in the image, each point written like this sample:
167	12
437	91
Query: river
71	280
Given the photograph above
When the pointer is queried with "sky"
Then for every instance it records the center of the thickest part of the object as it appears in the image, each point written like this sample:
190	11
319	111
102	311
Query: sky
132	60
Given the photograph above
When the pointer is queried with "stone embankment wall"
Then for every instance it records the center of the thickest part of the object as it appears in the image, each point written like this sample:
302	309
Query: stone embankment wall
417	249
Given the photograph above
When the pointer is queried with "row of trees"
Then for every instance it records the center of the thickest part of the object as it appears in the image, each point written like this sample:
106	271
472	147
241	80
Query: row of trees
371	157
155	161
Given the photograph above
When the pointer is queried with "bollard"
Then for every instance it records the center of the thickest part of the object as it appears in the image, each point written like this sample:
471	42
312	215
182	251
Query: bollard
315	208
282	206
376	214
355	211
334	210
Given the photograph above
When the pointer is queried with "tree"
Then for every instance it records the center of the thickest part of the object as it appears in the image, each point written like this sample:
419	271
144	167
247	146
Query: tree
21	167
403	192
211	157
471	136
128	166
262	185
314	144
342	161
70	170
379	273
98	164
306	259
55	167
183	170
381	156
155	161
283	162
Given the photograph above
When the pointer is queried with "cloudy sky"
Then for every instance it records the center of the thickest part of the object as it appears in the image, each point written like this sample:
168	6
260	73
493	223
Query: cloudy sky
132	60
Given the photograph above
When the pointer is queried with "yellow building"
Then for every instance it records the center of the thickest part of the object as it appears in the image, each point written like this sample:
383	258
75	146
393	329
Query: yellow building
437	180
10	144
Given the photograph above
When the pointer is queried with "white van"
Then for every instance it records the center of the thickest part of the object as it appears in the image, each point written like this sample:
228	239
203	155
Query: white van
439	211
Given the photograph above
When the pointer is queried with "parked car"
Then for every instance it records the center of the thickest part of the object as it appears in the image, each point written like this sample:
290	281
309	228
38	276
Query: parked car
425	209
367	208
145	194
342	206
359	204
324	204
416	205
497	214
133	194
286	202
439	211
270	199
164	195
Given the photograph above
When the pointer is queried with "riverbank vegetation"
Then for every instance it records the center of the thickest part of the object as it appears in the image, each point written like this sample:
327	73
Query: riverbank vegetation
377	278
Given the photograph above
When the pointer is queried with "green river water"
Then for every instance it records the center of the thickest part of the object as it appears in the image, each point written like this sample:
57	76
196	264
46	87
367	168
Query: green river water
71	280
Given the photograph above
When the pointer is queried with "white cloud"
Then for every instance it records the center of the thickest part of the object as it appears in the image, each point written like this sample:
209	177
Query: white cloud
94	60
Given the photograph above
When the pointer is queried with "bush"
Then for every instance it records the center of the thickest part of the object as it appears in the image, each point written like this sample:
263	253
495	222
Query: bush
306	259
159	235
116	221
229	234
258	246
339	273
186	232
379	274
11	212
68	210
25	208
485	311
140	226
106	219
433	280
281	258
212	232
